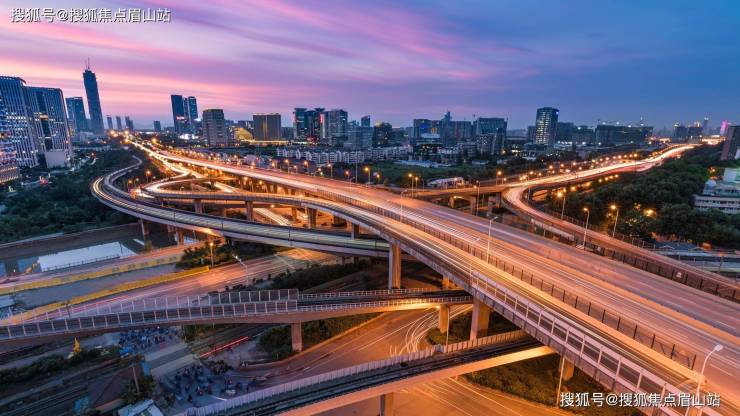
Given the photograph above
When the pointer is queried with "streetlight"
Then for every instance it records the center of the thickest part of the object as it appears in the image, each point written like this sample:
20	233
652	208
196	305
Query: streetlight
367	170
561	194
717	348
498	174
616	209
588	215
411	177
246	271
331	171
210	245
477	199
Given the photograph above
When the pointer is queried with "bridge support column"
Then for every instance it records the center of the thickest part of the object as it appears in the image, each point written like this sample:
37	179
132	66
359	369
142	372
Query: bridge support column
447	283
198	204
355	230
249	210
311	213
336	221
566	373
293	213
479	323
473	200
444	318
386	404
180	237
394	266
144	230
296	337
452	202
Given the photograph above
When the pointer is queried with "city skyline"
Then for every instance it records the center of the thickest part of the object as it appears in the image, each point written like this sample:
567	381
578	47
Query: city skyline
396	62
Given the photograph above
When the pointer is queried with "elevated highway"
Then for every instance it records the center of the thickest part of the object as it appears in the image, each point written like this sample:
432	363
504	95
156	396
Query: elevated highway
270	306
313	395
607	318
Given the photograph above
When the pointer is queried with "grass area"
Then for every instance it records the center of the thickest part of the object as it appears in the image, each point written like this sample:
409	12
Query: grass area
276	341
535	379
65	204
222	254
47	367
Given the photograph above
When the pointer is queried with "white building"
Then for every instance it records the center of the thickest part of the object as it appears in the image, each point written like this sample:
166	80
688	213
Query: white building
721	195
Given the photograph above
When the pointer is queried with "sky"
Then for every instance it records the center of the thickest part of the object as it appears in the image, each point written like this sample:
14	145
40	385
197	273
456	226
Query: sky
665	61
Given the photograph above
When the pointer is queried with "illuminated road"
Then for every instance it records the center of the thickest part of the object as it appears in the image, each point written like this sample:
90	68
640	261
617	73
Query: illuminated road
695	320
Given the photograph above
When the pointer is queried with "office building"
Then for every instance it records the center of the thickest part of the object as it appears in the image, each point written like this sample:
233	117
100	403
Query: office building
109	119
299	123
76	116
307	123
129	124
93	101
365	121
545	126
19	128
214	128
564	132
722	195
490	134
609	134
359	137
119	125
421	126
157	126
267	127
179	114
334	127
50	122
680	132
731	146
383	135
582	135
192	106
8	165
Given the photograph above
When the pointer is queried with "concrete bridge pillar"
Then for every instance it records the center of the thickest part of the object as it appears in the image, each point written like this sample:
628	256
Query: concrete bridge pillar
312	214
394	266
144	229
354	230
180	237
473	200
296	337
198	204
567	369
452	202
336	221
479	323
293	213
386	404
444	318
224	211
447	283
249	210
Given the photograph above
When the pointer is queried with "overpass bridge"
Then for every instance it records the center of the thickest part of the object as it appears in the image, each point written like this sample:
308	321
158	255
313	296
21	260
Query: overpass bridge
266	306
606	318
312	395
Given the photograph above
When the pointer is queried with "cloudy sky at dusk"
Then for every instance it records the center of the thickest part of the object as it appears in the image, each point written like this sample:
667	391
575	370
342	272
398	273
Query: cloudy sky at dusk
609	60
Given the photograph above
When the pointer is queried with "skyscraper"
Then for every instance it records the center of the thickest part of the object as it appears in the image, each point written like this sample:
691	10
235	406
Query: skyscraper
365	121
545	126
18	124
76	115
307	123
179	115
214	128
334	127
110	122
491	134
50	122
267	127
119	126
192	113
299	123
8	165
93	101
129	124
157	126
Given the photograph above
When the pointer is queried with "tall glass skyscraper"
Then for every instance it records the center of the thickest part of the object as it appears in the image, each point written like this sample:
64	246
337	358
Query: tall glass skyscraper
93	101
76	115
18	122
179	115
192	113
545	126
50	122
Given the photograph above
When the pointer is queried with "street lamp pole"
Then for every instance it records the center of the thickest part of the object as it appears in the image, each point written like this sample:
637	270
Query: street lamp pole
717	348
210	245
488	248
562	212
616	219
585	230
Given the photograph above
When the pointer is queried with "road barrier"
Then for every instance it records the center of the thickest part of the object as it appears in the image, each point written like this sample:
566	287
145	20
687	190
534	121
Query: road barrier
124	287
108	271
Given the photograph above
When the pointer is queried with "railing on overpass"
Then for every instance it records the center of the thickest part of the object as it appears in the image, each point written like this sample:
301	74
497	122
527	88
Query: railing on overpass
360	369
714	286
593	309
181	309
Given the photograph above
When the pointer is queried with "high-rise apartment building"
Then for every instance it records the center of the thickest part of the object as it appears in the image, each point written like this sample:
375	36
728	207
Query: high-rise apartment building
192	105
129	124
50	122
365	121
214	128
110	122
267	127
546	126
490	133
307	123
8	165
157	126
119	125
93	101
334	127
19	128
76	115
